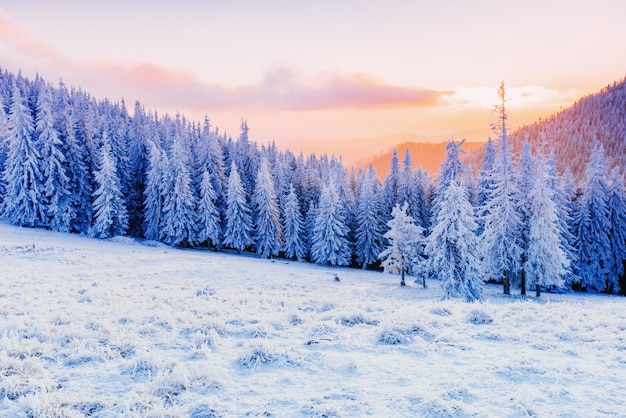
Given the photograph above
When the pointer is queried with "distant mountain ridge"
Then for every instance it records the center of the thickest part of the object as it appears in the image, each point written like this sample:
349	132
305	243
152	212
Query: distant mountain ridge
571	133
428	155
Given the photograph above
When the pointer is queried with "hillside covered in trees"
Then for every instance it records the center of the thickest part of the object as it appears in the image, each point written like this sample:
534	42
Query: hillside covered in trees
71	163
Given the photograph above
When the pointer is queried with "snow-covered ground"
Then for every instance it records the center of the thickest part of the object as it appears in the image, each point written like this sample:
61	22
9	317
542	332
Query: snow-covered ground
119	328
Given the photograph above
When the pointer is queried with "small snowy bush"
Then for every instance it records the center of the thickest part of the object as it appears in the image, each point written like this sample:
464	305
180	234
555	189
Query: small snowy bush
477	317
394	337
257	354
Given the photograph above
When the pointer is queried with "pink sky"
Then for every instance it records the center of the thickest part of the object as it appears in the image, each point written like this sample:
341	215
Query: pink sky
329	71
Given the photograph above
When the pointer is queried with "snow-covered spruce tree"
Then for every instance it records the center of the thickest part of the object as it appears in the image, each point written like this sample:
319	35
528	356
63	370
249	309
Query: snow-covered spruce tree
4	145
268	229
53	168
77	162
452	246
423	210
545	261
404	254
208	216
110	216
137	153
485	184
179	205
563	190
525	182
24	200
407	184
330	243
369	228
617	238
593	227
391	185
294	246
501	238
238	220
154	190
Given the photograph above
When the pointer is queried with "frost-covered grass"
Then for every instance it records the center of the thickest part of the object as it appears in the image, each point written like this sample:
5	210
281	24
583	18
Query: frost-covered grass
104	329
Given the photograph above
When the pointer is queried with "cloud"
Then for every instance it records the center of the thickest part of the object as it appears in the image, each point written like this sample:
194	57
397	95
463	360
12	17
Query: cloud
155	85
517	97
281	90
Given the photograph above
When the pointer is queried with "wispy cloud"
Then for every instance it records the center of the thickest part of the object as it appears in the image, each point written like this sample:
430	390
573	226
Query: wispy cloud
278	89
517	97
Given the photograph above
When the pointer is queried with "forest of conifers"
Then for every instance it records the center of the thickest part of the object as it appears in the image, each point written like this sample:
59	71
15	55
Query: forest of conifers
544	207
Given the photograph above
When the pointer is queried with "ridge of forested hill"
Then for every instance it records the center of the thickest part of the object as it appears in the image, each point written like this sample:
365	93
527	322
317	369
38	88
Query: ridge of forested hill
572	133
428	155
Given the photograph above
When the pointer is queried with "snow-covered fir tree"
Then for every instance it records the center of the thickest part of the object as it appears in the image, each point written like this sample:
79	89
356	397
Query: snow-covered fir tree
369	227
154	187
501	238
562	199
452	246
23	202
110	216
485	184
56	196
238	233
179	205
330	235
593	227
391	184
268	228
616	201
209	229
525	182
77	162
545	261
404	254
4	145
407	190
294	246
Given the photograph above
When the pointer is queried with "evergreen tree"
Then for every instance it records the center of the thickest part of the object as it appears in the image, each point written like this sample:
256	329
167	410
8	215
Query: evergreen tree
452	246
525	183
391	185
407	184
268	231
501	239
208	216
4	145
330	234
238	219
563	190
53	168
137	154
593	227
179	206
406	242
77	163
24	200
617	237
369	231
485	184
294	227
154	189
423	210
545	261
110	217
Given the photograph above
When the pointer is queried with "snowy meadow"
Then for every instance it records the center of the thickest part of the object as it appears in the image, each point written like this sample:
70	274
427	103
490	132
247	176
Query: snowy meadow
129	328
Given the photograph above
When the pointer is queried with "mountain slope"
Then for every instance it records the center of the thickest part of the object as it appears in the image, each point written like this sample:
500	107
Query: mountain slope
572	132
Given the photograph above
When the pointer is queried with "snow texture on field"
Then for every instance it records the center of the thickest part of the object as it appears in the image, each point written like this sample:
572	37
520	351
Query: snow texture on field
120	328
